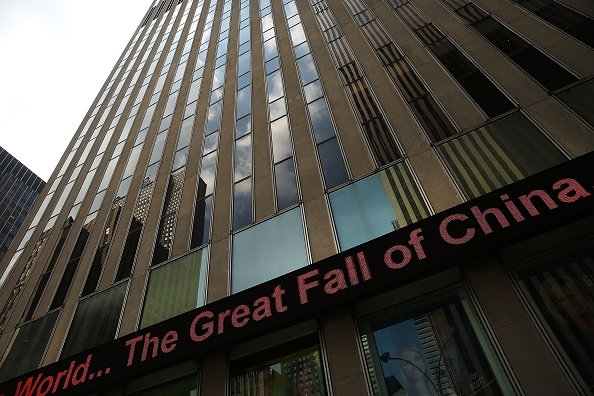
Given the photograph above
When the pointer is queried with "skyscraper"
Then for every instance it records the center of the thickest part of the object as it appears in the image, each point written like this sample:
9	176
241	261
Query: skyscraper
19	187
310	197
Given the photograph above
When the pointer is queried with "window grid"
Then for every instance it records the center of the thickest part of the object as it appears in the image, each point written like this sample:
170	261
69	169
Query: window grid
381	140
330	156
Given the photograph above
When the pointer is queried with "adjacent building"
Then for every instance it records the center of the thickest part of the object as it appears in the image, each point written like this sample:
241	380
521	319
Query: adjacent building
320	197
19	187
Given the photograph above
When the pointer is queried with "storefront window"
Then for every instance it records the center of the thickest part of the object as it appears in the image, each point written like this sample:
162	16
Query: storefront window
562	291
295	374
439	350
376	205
175	288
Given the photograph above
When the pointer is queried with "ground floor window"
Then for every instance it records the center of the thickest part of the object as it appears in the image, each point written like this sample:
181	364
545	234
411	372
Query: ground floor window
427	348
297	373
561	289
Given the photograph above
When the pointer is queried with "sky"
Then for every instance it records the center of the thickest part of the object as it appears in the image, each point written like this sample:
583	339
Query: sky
56	55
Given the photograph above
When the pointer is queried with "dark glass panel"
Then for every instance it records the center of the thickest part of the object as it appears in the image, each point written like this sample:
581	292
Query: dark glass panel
320	120
332	163
486	94
244	102
129	253
242	203
27	347
281	140
95	321
286	184
201	225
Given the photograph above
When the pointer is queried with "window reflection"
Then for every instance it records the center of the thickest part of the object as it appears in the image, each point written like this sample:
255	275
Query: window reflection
376	205
295	374
242	203
275	86
435	352
563	293
175	288
267	250
243	157
320	120
207	172
286	184
281	138
307	69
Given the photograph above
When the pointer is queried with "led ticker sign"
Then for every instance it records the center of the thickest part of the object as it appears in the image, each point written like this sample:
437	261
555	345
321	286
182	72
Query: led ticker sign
524	209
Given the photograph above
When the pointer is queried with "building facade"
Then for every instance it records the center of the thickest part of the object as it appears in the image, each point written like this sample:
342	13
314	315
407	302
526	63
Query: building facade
19	188
320	197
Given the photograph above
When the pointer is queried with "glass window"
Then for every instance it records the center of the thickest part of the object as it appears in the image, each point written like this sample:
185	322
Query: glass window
267	250
561	289
298	373
286	184
207	172
441	350
313	91
579	99
213	118
498	154
307	69
95	321
242	203
244	102
243	157
376	205
281	140
332	163
243	126
320	120
175	288
25	352
185	132
243	63
275	87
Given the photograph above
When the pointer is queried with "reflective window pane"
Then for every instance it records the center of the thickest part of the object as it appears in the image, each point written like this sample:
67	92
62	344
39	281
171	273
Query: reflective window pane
175	288
267	250
313	91
562	292
95	321
242	203
243	126
332	163
244	102
440	350
498	154
27	347
320	120
277	109
298	373
376	205
275	86
207	172
286	184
